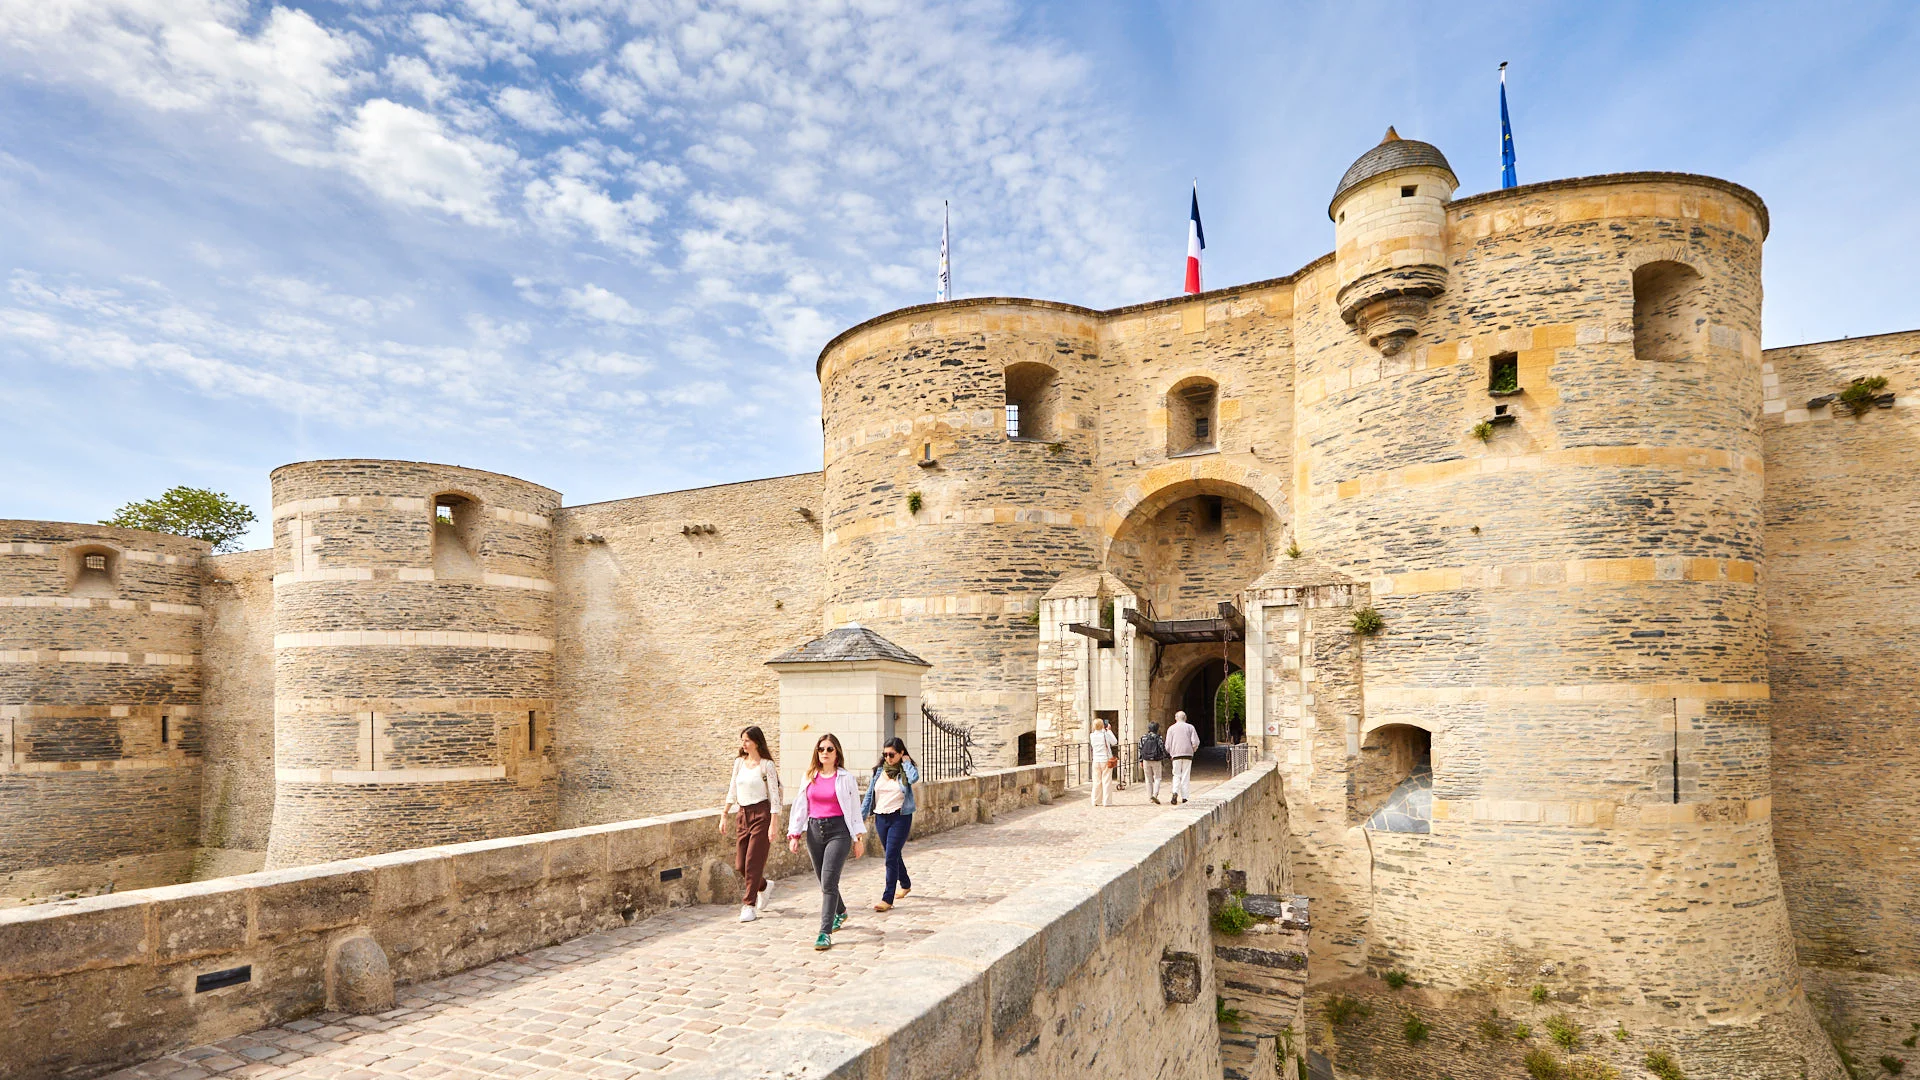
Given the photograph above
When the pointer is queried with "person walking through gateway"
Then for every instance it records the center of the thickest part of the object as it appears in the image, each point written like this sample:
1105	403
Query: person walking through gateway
1182	743
1152	753
755	792
1104	752
828	814
890	801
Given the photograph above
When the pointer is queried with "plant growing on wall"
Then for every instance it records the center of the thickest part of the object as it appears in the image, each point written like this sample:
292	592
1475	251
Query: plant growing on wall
1542	1065
1483	430
1367	622
1893	1065
1228	1018
1293	549
1859	395
914	502
1591	1069
1397	979
1415	1029
1563	1031
1661	1064
1232	917
1538	994
1339	1009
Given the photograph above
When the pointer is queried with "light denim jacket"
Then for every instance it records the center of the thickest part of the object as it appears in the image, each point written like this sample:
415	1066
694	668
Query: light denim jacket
909	777
843	787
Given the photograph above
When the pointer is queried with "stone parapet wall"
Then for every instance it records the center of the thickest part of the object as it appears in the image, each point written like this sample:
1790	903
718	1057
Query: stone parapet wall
96	983
101	738
1060	979
236	801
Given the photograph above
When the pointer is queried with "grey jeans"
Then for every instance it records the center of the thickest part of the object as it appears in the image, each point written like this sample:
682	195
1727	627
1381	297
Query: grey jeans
828	843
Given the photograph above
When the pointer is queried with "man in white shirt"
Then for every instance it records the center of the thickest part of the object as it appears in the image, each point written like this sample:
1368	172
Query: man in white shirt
1102	747
1182	742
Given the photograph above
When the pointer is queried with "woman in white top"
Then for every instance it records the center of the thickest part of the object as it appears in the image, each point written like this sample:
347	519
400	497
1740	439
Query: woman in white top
827	812
890	801
755	792
1103	750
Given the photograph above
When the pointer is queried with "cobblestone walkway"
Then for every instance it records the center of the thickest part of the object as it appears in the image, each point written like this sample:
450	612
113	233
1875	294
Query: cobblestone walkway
647	997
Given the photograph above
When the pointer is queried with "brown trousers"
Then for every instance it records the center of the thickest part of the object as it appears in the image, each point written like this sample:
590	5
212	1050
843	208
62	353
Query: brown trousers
750	848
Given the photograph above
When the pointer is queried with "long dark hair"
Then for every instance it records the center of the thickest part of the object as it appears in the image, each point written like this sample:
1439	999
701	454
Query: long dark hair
839	755
895	743
759	743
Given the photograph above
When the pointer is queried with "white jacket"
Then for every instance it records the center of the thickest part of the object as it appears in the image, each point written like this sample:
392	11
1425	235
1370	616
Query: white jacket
849	807
769	775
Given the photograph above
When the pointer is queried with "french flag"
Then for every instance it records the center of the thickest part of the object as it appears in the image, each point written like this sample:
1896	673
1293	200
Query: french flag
1196	243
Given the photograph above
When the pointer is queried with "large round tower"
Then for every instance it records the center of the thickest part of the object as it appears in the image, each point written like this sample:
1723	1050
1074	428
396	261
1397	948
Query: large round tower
1547	468
959	448
413	657
100	742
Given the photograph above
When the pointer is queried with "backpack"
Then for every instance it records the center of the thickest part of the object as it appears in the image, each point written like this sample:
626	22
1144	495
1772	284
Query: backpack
1151	748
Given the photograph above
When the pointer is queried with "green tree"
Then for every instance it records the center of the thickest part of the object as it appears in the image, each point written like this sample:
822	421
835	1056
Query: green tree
1229	705
188	511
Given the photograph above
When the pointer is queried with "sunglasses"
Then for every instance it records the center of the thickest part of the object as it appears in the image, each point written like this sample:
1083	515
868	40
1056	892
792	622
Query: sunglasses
890	755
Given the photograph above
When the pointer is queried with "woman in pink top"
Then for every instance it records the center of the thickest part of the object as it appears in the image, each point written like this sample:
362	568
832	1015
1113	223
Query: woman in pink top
828	814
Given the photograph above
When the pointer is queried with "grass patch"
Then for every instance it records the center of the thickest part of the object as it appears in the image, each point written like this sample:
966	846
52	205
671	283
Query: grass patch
1483	430
1591	1069
1858	395
1522	1032
1226	1017
1661	1064
1367	622
1397	979
1232	918
1893	1065
1563	1031
1417	1029
1542	1065
914	502
1538	994
1492	1030
1339	1008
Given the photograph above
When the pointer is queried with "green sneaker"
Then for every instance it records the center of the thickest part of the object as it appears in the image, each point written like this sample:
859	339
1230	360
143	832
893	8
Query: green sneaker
822	943
839	920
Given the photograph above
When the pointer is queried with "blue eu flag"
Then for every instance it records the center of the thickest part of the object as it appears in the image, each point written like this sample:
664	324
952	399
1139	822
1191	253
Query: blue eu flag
1507	177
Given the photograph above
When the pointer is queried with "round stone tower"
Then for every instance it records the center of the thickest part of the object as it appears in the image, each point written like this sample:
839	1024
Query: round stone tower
1552	487
413	657
100	742
1390	238
960	441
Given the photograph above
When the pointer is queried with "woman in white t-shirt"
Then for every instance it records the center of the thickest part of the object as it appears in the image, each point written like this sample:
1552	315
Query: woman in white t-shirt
1103	749
754	791
890	801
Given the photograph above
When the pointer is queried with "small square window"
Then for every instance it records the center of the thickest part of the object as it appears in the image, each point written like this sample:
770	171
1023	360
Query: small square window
1201	426
1409	191
1013	420
96	562
1503	374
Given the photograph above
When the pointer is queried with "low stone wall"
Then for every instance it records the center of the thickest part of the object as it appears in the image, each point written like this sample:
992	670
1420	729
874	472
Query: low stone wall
91	984
1059	979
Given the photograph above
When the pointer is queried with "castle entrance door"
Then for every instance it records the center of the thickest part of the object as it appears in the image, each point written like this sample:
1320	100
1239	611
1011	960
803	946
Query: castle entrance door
1197	698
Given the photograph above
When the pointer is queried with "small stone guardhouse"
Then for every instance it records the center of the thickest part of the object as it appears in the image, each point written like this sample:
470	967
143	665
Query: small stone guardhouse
853	683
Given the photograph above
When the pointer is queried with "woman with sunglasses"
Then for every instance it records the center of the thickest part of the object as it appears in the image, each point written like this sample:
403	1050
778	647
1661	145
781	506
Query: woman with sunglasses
890	801
827	813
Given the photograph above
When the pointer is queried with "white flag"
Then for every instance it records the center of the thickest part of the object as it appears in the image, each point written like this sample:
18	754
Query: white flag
946	274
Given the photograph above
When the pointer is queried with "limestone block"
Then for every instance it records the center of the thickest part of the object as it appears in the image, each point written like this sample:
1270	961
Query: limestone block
101	932
1179	977
310	898
358	979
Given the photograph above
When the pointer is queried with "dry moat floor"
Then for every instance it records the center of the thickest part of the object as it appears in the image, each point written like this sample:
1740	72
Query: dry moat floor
648	997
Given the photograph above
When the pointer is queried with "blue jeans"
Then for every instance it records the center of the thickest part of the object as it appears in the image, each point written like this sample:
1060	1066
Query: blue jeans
893	830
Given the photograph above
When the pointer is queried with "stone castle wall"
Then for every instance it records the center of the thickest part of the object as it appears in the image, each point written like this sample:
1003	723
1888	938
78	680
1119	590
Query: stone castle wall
1842	535
669	607
100	711
413	658
237	782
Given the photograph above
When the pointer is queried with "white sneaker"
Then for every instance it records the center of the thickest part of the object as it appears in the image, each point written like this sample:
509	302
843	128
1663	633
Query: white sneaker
760	901
747	914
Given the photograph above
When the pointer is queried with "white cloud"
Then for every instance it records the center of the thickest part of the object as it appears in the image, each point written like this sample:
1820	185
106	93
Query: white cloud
534	110
566	203
604	305
410	156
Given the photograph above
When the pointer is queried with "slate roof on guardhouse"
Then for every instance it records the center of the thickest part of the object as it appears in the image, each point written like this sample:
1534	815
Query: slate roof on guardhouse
1393	153
849	643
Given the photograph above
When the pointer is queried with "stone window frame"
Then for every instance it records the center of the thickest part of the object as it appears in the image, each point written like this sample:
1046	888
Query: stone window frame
1192	427
1032	401
85	580
467	515
1669	311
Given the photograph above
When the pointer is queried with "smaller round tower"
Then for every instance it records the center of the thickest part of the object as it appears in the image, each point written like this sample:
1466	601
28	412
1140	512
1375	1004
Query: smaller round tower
413	658
1390	238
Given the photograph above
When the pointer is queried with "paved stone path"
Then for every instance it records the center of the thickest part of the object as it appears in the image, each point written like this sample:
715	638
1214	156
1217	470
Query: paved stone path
648	997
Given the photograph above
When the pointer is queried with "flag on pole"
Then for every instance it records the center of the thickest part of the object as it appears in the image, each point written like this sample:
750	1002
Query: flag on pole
1507	177
946	272
1196	243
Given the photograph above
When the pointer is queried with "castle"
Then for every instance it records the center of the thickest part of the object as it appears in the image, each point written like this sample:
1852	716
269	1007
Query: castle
1638	711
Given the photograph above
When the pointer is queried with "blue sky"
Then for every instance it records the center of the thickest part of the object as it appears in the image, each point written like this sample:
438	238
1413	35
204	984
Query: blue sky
598	245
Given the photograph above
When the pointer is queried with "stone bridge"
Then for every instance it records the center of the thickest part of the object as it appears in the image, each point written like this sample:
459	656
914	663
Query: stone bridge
1043	935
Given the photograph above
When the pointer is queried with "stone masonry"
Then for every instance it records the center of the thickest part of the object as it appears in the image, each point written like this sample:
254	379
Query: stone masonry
1641	592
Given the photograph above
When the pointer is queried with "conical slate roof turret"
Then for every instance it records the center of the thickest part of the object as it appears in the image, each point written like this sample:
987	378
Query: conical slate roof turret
1393	153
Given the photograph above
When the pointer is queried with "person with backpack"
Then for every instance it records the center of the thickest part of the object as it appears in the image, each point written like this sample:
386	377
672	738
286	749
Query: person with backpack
1152	752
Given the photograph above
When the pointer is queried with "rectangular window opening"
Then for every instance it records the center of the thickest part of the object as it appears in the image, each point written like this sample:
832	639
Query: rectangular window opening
165	735
1503	374
1202	426
1013	420
1408	191
530	730
96	562
1216	510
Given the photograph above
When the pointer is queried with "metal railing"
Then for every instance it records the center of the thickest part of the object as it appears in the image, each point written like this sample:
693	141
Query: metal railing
946	749
1077	756
1236	758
